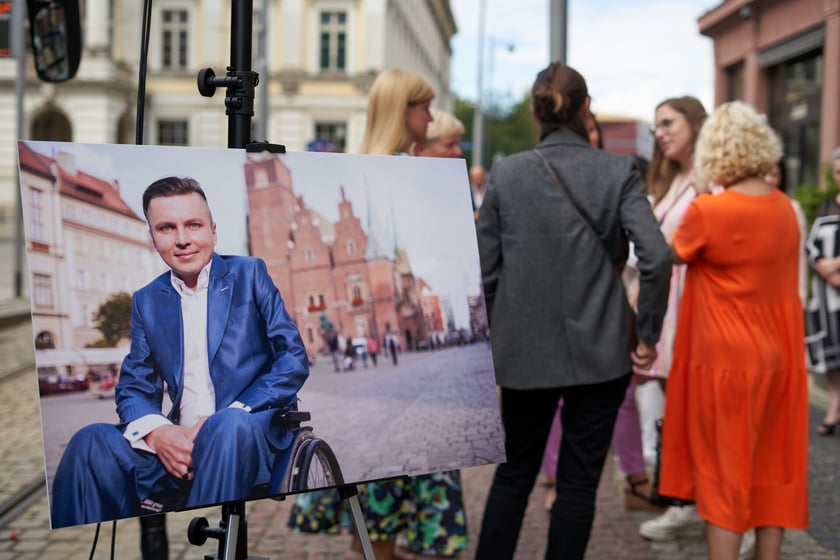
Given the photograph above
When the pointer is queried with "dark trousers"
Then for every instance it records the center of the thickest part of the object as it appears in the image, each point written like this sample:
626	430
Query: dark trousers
588	417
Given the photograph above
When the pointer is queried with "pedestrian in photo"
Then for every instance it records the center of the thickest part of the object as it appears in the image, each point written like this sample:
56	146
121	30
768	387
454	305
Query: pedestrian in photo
373	349
823	317
735	435
562	325
349	354
392	347
332	346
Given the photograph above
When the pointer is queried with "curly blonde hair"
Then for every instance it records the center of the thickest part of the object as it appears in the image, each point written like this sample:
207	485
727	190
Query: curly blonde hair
735	143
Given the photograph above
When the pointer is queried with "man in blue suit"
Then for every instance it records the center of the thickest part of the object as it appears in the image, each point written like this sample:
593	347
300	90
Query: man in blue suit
214	333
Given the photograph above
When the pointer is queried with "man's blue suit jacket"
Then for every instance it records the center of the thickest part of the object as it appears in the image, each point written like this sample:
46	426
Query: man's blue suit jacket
255	352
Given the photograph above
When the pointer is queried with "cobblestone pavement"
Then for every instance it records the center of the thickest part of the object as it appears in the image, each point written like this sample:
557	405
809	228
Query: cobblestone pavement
614	537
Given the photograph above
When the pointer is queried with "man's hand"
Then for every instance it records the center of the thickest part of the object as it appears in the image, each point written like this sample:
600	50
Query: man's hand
643	356
173	445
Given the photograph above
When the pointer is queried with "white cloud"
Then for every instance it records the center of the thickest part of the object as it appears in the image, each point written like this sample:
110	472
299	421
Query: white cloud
633	54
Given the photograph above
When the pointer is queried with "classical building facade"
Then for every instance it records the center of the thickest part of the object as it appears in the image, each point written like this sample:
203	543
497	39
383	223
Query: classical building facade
83	243
320	59
338	275
783	57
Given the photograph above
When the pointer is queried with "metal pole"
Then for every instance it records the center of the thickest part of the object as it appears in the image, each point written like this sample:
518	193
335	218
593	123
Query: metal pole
478	117
239	121
18	19
263	70
558	14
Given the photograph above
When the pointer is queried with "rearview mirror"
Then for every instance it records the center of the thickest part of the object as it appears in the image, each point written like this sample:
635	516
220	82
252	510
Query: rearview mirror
55	29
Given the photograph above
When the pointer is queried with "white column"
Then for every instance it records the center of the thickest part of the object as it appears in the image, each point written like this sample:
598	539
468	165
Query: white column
96	27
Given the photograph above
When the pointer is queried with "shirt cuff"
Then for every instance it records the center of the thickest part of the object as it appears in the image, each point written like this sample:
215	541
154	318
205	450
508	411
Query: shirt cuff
243	406
136	431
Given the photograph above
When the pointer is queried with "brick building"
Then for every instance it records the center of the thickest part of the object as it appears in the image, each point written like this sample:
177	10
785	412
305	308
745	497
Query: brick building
337	274
783	57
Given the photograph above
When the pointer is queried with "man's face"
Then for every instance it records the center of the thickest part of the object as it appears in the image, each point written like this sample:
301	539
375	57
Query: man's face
183	232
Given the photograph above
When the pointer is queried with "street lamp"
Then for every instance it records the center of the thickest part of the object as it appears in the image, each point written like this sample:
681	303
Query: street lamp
478	117
478	114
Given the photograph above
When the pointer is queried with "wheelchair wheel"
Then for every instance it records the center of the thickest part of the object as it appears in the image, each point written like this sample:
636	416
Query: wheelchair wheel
315	466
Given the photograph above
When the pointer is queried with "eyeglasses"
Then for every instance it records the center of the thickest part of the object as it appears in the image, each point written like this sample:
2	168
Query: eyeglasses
664	124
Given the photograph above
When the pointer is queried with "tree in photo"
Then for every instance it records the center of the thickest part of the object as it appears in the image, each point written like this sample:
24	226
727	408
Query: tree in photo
113	319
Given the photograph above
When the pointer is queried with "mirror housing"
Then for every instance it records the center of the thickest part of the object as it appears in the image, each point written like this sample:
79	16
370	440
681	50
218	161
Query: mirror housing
56	34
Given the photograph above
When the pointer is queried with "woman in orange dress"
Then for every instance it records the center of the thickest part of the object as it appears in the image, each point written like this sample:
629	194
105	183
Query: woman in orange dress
735	437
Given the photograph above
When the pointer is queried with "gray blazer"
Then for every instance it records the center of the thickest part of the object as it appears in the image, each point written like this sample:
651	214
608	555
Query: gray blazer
558	312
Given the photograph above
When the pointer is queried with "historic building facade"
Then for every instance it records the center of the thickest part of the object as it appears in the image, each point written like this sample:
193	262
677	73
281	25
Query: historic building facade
84	244
317	66
783	57
333	275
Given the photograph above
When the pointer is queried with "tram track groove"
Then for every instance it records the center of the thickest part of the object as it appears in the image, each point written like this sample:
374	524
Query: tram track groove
15	506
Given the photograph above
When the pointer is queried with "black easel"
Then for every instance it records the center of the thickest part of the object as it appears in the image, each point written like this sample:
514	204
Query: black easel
241	82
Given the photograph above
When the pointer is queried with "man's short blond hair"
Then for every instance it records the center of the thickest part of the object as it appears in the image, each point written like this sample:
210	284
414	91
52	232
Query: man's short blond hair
735	143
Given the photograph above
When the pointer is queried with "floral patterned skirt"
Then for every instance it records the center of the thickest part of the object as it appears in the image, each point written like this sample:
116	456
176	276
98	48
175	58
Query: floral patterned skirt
429	508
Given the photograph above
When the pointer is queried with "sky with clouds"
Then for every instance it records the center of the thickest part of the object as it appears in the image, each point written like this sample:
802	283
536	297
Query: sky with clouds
633	53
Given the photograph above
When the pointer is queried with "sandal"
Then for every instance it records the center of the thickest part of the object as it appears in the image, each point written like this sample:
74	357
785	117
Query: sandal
825	429
634	498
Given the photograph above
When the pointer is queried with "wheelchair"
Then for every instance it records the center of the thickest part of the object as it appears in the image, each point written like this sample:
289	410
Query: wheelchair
308	464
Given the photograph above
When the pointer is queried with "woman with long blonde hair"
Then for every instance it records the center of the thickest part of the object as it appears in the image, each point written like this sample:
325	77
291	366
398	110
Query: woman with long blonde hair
397	93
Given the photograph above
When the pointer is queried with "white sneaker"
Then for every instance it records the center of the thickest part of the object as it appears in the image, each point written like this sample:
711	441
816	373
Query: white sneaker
676	521
747	545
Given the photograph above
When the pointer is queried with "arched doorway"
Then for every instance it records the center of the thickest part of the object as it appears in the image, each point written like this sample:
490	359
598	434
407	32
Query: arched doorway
125	129
51	124
44	340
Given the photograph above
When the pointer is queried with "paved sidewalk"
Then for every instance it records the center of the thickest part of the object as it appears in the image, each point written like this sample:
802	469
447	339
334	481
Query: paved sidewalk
614	537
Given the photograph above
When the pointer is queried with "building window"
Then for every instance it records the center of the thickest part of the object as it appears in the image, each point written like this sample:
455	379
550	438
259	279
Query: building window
175	25
42	290
173	133
735	82
84	315
310	335
36	220
333	41
351	247
309	255
81	279
331	136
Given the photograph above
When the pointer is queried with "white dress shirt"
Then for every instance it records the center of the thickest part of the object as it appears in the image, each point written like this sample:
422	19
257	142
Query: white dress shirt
198	397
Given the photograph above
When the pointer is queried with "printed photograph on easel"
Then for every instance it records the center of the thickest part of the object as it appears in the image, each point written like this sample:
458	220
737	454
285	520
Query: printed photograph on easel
342	324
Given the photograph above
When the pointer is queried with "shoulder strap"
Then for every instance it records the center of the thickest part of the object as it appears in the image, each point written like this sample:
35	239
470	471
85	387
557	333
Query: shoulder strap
574	205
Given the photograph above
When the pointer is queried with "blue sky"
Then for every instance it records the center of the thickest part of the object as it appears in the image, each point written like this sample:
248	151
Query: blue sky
633	53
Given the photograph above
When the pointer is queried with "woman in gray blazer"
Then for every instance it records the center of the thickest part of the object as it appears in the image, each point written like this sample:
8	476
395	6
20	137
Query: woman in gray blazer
552	235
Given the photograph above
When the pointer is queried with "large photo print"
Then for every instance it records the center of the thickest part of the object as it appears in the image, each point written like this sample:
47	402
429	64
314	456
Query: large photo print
214	326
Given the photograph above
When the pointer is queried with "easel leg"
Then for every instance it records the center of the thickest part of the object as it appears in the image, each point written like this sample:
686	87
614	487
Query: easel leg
350	494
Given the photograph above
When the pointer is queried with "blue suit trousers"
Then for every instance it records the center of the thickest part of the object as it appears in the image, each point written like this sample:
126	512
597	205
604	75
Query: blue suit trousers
101	477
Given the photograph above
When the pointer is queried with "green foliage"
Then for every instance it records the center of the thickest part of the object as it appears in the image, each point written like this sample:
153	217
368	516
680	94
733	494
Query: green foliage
113	319
507	130
811	196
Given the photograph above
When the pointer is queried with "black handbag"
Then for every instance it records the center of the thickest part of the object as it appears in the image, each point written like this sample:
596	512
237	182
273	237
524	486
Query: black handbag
655	497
